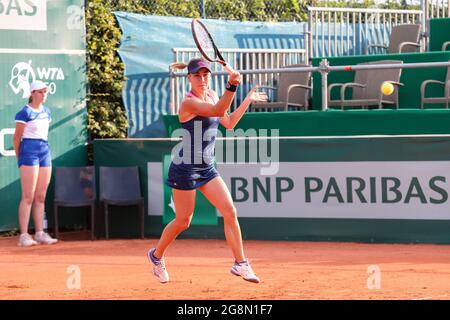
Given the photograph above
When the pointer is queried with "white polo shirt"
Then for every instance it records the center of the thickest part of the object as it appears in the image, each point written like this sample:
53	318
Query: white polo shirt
36	122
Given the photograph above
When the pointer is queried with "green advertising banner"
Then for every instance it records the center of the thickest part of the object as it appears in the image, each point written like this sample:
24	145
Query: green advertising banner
373	188
41	40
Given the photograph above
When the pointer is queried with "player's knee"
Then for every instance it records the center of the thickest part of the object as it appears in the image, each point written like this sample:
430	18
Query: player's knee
27	198
183	224
229	213
39	197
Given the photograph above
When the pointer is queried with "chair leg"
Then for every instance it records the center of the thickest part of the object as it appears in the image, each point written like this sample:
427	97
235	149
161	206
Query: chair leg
92	221
141	211
106	221
55	213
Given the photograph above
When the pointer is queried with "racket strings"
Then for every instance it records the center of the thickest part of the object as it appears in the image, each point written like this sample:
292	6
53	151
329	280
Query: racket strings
205	41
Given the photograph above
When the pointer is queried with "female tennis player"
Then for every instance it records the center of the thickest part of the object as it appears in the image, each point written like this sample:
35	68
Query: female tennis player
203	109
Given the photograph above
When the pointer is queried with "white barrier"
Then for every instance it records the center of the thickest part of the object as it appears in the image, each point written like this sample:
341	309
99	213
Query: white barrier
239	59
346	31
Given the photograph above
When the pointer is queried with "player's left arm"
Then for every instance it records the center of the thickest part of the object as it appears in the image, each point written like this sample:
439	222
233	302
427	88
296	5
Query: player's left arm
229	121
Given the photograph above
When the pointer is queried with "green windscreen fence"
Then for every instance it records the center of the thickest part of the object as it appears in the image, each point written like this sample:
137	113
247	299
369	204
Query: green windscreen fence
41	40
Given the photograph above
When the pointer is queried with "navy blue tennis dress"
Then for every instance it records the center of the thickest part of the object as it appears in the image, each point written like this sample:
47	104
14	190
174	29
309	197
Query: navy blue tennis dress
195	164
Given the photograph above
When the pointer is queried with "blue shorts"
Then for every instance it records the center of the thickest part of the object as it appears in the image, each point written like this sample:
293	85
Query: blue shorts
34	152
187	178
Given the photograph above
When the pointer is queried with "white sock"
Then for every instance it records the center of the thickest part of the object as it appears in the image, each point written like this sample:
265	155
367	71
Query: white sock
39	233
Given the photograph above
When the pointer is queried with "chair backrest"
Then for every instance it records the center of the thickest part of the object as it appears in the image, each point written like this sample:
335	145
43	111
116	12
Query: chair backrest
375	77
75	184
404	33
120	183
360	77
297	95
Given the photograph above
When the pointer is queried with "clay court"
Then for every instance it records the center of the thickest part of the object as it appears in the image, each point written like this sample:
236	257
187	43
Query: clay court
199	269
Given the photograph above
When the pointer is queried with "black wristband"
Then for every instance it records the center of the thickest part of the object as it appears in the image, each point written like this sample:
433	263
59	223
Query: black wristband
231	87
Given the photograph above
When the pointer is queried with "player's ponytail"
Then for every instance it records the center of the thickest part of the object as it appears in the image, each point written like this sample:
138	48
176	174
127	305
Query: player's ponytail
178	65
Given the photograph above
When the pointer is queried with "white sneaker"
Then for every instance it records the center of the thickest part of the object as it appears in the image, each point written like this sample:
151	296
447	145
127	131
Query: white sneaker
44	238
244	270
25	240
159	267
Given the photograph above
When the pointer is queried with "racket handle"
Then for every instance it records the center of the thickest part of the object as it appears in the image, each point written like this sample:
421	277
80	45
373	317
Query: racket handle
229	69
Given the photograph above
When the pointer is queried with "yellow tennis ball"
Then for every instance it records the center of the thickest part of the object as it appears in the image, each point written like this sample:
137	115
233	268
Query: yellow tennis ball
387	88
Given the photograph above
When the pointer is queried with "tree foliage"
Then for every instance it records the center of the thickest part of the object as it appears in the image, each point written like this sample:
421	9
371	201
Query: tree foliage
106	114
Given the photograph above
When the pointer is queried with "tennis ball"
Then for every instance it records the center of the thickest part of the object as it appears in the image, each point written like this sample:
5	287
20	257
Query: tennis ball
387	88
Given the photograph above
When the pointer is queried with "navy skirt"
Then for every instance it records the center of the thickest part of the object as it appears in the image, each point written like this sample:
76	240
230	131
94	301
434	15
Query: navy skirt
188	178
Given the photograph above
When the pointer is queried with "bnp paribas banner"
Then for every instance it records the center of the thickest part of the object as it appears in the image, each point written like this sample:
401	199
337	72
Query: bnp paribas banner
41	40
341	178
371	188
359	190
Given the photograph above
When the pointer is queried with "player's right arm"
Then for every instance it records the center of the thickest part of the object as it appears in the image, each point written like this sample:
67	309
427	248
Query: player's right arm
18	133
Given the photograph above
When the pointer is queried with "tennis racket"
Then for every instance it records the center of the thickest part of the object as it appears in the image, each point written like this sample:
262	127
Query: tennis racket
206	45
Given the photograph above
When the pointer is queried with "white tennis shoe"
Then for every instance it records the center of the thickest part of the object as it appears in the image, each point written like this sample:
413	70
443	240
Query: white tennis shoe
44	238
159	267
25	240
244	270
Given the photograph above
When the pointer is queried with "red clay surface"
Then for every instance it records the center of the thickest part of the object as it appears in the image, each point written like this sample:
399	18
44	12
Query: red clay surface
199	269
